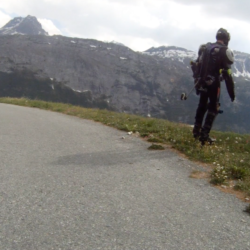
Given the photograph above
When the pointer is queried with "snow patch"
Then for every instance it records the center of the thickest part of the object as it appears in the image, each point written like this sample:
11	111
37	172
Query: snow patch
173	53
73	41
123	58
92	46
80	91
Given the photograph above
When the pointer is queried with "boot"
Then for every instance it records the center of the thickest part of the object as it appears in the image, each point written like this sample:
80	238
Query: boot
206	138
204	135
196	131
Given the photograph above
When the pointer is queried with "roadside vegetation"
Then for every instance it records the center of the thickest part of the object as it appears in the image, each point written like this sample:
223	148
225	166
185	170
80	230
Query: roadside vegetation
229	156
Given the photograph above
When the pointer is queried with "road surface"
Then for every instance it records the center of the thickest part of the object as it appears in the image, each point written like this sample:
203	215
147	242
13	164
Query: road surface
68	183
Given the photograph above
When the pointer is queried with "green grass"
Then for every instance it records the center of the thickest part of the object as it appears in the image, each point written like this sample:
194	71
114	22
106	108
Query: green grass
156	147
230	155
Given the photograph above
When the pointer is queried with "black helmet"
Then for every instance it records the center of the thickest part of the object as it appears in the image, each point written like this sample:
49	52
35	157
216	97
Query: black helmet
223	35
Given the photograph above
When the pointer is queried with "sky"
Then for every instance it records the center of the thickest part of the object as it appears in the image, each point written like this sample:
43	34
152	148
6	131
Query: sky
139	24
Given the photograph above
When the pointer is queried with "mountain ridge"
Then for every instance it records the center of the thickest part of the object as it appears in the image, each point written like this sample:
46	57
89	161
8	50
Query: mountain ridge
119	78
23	26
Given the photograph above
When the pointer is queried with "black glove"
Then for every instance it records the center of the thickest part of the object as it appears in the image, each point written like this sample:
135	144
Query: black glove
197	86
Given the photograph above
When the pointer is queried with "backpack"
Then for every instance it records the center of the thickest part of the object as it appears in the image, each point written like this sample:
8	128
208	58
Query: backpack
201	65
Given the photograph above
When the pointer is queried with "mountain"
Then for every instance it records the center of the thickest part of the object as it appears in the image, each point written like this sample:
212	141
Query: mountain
130	81
112	76
172	52
235	116
241	66
23	26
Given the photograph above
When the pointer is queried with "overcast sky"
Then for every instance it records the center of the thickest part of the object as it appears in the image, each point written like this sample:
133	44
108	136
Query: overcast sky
139	24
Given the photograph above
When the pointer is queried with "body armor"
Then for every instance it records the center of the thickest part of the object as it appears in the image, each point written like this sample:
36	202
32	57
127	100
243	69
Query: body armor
211	67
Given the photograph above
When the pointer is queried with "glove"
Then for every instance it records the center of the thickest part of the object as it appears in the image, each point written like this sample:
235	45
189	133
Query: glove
197	86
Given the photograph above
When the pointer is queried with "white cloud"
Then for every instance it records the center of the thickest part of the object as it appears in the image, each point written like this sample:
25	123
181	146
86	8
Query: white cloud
49	26
142	44
139	23
141	16
4	18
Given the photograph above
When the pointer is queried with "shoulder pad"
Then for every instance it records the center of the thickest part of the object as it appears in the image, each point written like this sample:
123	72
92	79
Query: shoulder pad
230	55
201	48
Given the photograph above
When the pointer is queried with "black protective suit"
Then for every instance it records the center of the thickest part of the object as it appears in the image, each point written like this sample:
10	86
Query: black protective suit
209	75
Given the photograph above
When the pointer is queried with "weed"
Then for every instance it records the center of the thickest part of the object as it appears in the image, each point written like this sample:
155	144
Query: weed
218	176
155	140
243	186
156	147
237	173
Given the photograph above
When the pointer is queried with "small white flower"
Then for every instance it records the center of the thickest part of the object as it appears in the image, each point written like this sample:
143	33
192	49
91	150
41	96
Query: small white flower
241	160
227	138
214	163
236	142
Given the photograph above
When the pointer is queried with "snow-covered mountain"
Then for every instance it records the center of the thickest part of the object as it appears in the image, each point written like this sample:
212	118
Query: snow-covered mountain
171	52
241	66
23	26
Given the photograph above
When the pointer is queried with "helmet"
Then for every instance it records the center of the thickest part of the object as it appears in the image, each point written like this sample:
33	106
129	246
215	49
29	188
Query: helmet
223	35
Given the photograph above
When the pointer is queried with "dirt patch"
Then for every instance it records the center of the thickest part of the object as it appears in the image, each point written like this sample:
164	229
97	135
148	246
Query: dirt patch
229	189
199	175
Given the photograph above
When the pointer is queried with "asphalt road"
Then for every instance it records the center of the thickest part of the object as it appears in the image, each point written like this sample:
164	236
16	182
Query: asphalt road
73	184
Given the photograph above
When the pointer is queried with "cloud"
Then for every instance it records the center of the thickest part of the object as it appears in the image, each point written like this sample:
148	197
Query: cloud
4	18
224	8
140	24
49	26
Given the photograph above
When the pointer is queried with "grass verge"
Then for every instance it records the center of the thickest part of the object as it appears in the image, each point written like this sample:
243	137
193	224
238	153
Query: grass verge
229	155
